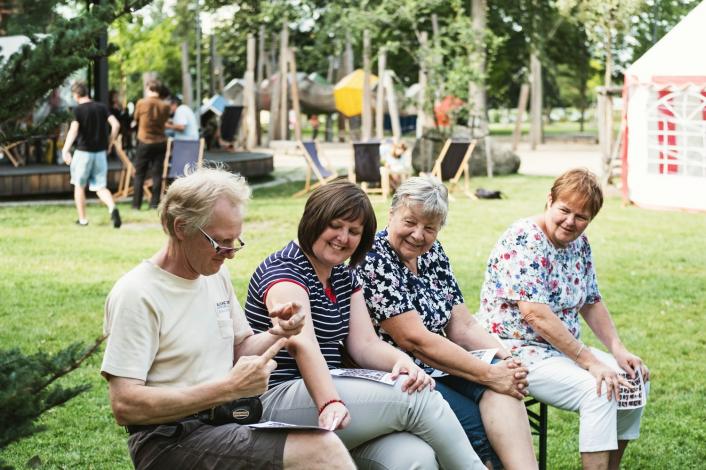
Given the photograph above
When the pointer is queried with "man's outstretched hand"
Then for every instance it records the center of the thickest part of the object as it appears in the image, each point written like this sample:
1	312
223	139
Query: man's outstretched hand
287	319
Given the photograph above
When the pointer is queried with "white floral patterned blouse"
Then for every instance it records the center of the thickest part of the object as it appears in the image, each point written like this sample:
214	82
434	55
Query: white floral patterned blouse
526	266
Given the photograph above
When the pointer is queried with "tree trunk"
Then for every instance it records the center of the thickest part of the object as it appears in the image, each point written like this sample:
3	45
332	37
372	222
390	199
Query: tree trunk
330	73
436	40
421	98
273	128
260	76
295	95
607	144
185	75
521	108
366	118
197	83
479	10
535	101
261	56
392	105
212	65
283	99
249	92
380	98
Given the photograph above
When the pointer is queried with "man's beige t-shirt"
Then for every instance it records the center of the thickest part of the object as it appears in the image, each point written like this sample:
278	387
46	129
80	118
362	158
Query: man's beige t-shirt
170	331
151	115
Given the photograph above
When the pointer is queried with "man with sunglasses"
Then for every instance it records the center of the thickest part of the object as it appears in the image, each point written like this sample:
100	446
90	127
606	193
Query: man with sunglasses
179	344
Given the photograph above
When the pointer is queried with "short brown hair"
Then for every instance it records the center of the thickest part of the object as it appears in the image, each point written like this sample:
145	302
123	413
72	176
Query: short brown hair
80	89
339	199
154	86
579	185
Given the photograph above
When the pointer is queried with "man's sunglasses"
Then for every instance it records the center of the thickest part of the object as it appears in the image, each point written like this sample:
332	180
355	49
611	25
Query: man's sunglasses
223	250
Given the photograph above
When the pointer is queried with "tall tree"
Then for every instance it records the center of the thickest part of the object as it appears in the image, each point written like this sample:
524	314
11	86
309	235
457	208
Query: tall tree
39	67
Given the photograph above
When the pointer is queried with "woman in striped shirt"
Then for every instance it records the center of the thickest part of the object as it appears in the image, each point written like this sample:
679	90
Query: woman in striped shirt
400	426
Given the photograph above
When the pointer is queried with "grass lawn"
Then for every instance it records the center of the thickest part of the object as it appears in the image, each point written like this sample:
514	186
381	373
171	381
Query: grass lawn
651	267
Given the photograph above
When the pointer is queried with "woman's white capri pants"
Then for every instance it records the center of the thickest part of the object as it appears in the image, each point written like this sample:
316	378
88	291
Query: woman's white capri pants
560	382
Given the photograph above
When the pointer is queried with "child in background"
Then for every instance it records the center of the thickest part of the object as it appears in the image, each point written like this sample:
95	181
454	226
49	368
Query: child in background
397	164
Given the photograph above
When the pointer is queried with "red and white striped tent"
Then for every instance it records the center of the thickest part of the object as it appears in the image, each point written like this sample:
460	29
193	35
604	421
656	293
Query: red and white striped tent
664	121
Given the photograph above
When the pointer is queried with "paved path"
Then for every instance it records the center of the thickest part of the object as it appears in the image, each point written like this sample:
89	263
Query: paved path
550	159
555	158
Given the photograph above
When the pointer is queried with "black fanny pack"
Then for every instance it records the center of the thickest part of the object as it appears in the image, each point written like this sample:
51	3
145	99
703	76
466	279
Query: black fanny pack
242	411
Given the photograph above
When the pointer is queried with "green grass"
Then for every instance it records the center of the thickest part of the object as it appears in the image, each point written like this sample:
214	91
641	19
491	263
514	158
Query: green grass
553	129
651	267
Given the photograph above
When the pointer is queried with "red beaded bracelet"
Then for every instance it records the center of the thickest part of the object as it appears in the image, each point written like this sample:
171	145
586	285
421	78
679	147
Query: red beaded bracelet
335	400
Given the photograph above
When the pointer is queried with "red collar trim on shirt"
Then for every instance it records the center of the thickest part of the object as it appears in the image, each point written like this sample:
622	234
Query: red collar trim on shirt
329	293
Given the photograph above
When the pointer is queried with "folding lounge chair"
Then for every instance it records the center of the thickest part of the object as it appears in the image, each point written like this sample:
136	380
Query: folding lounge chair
366	168
128	171
9	150
452	164
230	124
180	155
314	165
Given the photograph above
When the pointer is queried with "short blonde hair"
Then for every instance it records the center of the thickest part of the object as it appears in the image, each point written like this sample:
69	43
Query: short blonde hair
579	185
427	191
192	197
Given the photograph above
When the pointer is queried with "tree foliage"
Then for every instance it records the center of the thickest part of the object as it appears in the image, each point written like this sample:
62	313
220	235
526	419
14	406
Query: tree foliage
37	68
28	388
144	46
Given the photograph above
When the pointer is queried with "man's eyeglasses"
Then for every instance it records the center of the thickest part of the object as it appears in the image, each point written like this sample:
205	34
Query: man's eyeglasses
223	250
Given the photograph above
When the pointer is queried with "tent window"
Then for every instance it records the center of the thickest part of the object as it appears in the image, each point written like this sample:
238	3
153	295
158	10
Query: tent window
677	132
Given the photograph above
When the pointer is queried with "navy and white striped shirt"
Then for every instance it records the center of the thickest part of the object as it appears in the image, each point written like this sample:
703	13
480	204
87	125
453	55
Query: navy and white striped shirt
330	309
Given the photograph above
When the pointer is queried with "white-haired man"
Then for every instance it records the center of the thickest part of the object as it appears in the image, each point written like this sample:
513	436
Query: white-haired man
179	344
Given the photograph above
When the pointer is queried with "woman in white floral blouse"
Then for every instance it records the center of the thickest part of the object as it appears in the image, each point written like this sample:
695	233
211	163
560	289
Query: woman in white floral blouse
540	277
416	305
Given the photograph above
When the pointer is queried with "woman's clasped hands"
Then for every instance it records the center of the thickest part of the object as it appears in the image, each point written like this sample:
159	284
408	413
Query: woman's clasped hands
509	377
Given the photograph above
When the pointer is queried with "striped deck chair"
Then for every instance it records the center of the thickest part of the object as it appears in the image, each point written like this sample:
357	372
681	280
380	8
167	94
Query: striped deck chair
366	169
314	166
452	164
180	155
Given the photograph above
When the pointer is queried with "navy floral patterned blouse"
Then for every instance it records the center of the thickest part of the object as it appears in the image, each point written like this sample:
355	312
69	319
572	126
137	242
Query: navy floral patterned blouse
390	288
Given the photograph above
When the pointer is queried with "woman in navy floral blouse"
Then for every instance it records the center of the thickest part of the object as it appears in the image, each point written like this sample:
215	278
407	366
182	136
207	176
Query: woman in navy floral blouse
416	305
540	277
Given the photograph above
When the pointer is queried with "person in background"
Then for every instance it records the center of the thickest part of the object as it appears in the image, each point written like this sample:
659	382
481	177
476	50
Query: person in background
123	117
540	278
94	130
151	115
183	121
314	122
397	163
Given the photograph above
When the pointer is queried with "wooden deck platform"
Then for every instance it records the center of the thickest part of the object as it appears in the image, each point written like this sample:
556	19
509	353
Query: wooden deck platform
52	180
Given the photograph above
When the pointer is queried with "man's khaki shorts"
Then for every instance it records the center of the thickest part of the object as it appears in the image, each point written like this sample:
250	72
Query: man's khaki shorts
193	444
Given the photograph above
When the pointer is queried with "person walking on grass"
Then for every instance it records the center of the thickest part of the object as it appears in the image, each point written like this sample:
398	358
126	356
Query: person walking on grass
89	162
